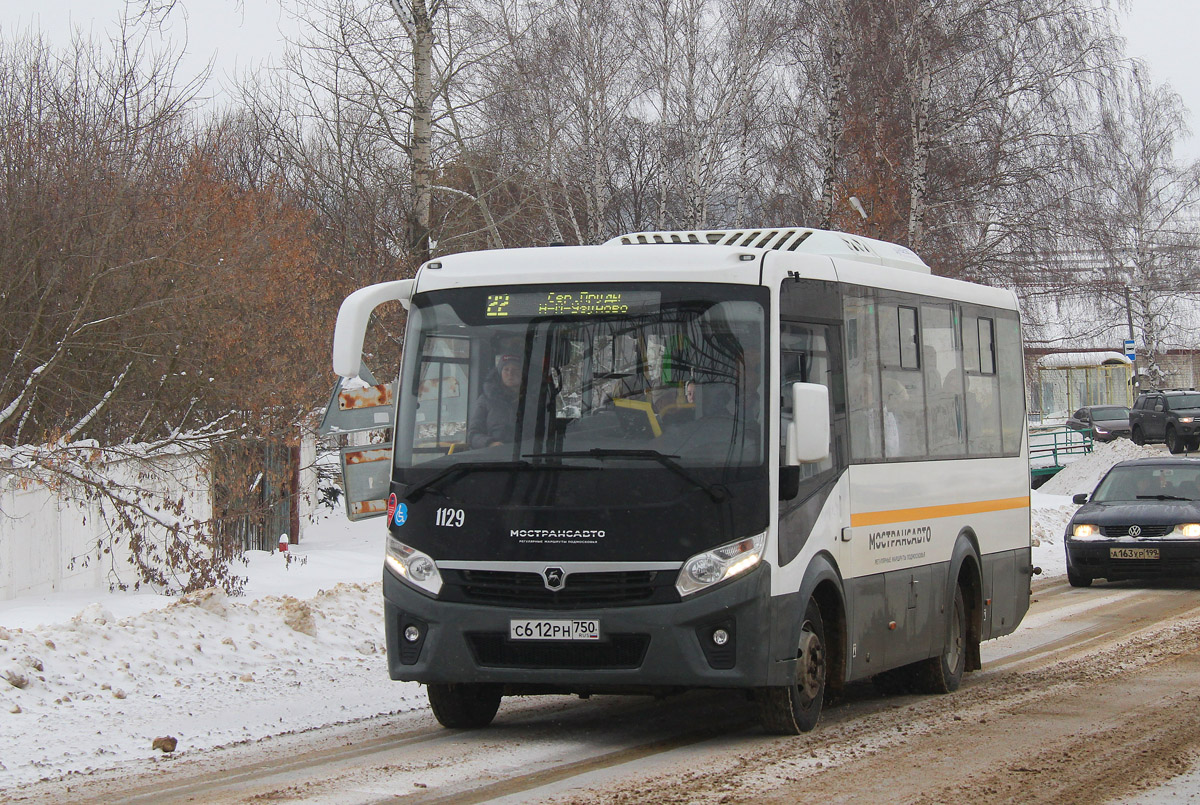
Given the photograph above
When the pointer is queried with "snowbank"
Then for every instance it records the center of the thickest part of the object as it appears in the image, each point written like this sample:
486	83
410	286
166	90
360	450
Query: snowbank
89	685
1084	473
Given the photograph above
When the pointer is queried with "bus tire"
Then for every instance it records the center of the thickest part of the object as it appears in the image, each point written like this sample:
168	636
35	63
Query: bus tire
466	706
944	673
796	708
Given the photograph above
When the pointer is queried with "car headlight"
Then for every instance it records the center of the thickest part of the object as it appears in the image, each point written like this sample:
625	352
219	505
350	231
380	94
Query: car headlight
1185	420
1085	531
413	566
1191	530
1099	430
712	567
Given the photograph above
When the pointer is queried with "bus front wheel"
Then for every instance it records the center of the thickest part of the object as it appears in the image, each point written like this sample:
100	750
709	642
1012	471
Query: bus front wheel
468	706
796	708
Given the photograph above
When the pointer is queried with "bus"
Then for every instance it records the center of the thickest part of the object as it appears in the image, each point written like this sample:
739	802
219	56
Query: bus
771	460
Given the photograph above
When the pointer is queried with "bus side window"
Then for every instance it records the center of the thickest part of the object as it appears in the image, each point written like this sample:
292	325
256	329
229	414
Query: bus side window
810	353
1012	381
862	376
945	412
442	394
902	388
983	386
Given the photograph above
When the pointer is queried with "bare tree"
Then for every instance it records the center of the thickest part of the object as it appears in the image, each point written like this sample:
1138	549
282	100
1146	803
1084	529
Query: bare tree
146	289
1138	228
953	123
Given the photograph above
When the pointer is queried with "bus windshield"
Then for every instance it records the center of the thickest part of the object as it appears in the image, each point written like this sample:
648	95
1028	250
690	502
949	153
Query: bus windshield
624	374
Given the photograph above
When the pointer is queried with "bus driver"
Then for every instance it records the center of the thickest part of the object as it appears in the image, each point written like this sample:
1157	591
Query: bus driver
494	414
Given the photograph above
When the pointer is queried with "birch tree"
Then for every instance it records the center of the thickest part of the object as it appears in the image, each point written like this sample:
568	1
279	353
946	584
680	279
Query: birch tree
1136	205
954	123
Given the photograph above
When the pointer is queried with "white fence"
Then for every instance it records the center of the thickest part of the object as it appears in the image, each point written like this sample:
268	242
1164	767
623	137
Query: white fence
51	542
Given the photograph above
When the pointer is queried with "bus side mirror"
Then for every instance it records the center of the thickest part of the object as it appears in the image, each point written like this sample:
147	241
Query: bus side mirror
808	432
353	317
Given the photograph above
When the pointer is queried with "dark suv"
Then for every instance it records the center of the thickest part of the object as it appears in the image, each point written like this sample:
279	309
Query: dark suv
1167	415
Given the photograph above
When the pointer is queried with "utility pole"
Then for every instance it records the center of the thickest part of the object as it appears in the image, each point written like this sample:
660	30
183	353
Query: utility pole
1136	380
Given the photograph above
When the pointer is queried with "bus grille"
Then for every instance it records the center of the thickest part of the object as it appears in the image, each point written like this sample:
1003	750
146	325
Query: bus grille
495	650
516	589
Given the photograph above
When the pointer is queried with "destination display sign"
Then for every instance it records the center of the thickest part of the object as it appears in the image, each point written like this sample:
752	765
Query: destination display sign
569	303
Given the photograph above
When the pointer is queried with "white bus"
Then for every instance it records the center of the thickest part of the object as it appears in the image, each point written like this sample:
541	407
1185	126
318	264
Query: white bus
776	460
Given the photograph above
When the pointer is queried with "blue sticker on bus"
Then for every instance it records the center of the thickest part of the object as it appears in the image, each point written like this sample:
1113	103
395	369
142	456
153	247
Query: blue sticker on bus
401	514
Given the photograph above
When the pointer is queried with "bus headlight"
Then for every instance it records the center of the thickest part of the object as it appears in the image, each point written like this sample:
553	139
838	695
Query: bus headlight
413	566
711	567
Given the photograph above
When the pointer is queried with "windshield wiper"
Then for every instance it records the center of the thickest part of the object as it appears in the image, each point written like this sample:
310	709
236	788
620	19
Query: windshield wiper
1161	497
463	468
716	493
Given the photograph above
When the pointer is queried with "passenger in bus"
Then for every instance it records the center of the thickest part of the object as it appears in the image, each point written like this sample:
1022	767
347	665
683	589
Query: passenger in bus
895	411
493	419
676	404
735	397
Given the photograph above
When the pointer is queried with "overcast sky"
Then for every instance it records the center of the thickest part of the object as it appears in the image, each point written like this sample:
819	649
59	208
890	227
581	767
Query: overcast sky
240	34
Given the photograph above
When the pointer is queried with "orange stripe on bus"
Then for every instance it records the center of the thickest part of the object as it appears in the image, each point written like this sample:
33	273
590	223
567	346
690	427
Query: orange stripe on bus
930	512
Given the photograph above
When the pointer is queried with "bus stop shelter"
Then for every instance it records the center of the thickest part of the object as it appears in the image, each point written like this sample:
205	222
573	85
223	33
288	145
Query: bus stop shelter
1066	381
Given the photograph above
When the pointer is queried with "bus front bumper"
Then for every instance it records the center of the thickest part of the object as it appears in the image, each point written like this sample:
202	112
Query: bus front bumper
654	646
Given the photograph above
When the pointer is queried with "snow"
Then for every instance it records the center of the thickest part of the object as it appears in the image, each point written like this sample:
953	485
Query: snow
93	679
89	681
1083	475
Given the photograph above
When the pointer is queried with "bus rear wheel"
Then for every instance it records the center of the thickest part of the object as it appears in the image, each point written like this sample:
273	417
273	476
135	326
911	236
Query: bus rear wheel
466	706
944	673
796	708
